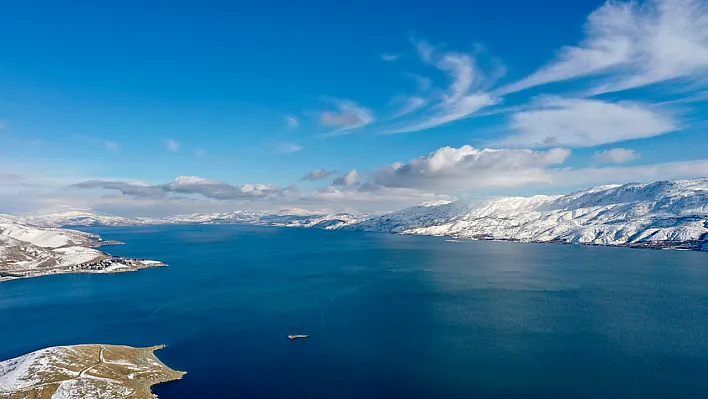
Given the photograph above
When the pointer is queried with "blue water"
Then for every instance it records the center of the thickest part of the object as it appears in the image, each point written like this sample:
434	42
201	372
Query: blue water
389	316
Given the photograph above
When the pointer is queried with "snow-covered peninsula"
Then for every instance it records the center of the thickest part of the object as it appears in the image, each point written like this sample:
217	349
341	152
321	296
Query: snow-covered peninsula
663	214
85	371
27	250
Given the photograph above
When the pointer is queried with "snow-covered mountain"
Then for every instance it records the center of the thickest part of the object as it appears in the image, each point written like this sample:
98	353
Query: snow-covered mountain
84	218
671	214
662	214
283	217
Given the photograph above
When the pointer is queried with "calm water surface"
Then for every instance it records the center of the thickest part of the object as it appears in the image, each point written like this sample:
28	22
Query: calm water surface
389	316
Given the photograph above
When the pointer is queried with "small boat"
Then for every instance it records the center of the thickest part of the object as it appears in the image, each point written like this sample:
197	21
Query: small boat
297	336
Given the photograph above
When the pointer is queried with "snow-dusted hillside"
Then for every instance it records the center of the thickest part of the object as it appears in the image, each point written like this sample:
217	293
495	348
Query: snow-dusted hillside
661	214
84	218
25	247
85	371
27	250
283	217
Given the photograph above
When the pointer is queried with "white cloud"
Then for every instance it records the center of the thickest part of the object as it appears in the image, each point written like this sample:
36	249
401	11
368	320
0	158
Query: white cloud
422	83
171	145
200	152
629	45
584	177
465	168
616	155
584	123
349	116
188	186
318	174
409	105
464	108
107	144
425	50
390	57
374	198
292	122
286	148
348	180
465	95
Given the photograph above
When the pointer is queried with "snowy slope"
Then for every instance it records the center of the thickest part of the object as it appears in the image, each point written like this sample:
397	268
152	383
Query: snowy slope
84	371
660	214
84	218
26	247
284	217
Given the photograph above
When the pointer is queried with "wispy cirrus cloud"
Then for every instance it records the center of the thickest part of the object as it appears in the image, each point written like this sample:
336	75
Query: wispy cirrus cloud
286	148
172	145
422	83
629	45
585	123
292	122
348	116
465	95
389	57
616	155
107	144
408	105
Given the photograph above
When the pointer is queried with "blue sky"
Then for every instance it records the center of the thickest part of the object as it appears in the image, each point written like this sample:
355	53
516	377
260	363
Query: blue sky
163	107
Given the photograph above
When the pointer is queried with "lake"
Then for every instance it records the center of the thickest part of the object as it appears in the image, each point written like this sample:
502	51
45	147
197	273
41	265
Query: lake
389	316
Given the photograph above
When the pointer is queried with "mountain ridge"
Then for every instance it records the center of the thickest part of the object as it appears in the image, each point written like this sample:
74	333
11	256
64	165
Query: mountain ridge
662	214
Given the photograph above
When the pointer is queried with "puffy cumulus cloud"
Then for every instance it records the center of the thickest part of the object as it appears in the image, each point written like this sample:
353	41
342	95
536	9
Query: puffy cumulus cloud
616	155
348	180
318	174
584	123
502	171
628	44
189	186
467	168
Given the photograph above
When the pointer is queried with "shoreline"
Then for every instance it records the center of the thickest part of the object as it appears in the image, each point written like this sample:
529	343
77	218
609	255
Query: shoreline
695	245
86	370
104	264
